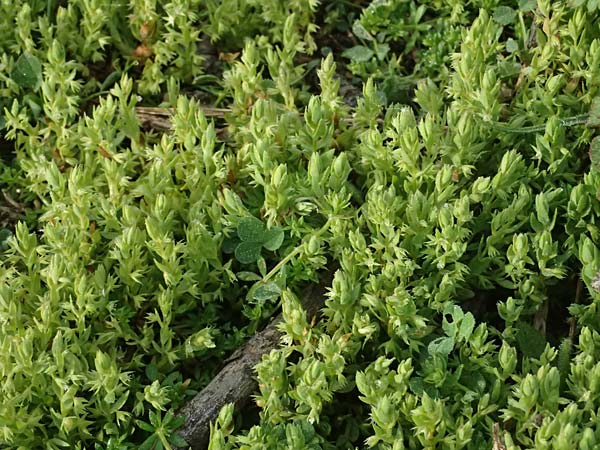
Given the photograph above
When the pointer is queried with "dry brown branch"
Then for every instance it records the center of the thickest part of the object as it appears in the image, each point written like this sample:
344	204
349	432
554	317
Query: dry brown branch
497	438
159	117
235	383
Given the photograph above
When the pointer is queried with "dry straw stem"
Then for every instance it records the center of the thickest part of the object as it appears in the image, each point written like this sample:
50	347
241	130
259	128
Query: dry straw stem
158	118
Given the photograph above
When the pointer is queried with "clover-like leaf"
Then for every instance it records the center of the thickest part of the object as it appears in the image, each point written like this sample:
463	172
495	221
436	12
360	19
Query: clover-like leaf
358	53
441	346
527	5
248	252
27	71
273	239
251	229
229	244
265	292
504	15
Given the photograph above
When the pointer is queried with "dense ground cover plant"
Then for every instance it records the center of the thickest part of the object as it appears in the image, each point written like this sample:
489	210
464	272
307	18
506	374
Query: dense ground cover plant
456	193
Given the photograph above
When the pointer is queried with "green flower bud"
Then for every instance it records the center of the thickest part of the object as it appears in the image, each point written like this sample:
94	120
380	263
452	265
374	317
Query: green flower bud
529	391
507	357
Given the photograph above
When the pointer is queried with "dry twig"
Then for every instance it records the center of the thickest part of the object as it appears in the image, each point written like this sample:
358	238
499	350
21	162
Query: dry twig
235	383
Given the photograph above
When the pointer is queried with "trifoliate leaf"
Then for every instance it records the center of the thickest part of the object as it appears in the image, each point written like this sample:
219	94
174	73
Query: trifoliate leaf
265	292
250	229
358	53
248	252
229	244
27	71
273	239
504	15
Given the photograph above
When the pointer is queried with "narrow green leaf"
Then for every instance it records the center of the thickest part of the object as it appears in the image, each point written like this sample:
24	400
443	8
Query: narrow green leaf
250	229
273	239
361	32
149	443
59	442
176	422
177	440
248	276
145	426
152	372
248	252
262	266
27	71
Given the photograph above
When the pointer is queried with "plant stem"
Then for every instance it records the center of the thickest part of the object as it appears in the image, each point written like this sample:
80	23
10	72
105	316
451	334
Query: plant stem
567	122
293	253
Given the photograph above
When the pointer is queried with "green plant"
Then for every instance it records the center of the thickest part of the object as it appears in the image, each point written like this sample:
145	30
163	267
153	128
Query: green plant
162	436
253	237
457	195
